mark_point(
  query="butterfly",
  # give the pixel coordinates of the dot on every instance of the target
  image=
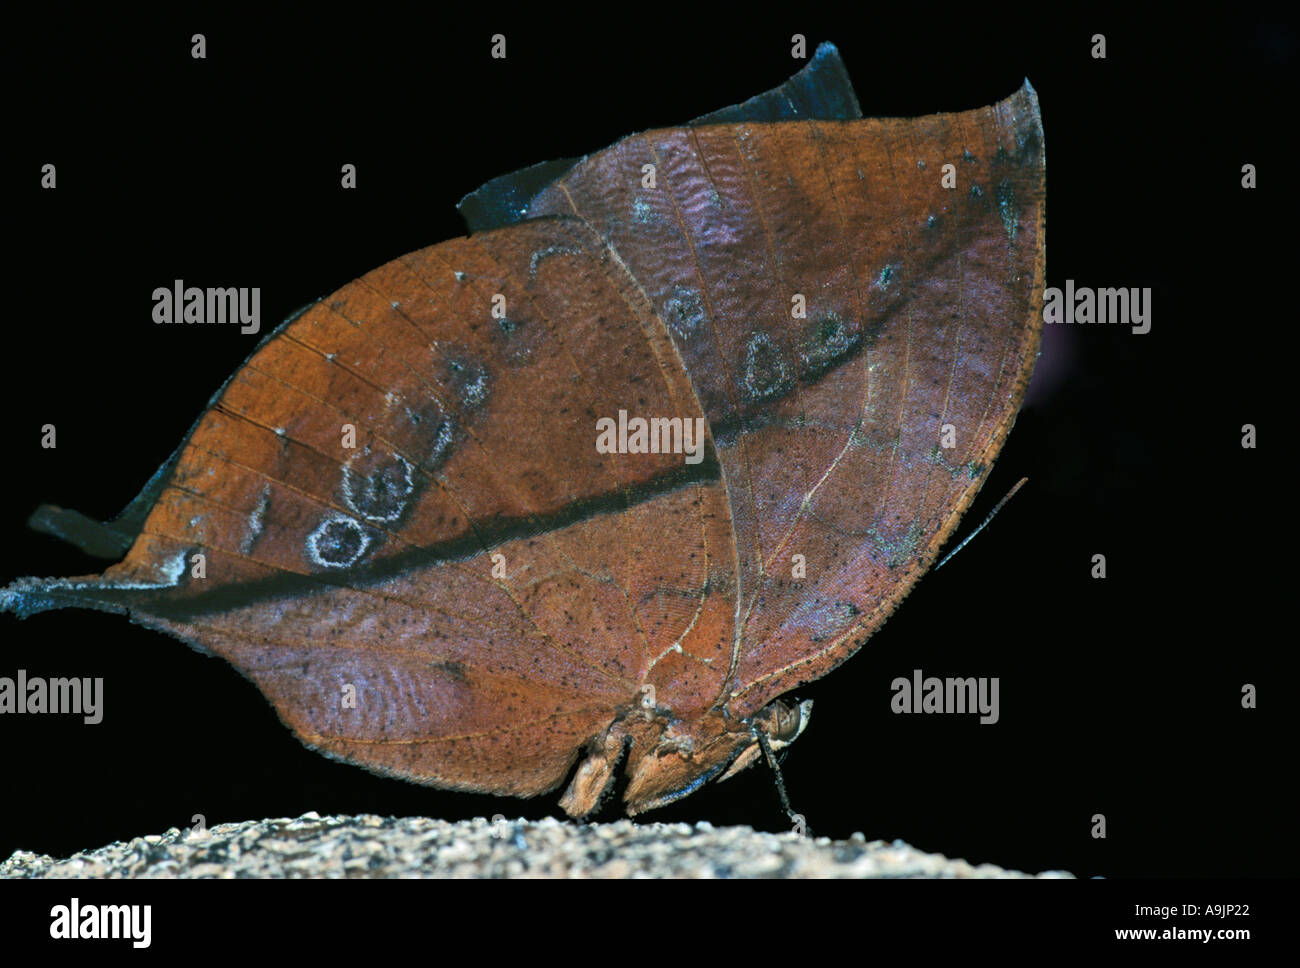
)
(670, 434)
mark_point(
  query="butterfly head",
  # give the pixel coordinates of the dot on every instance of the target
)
(783, 723)
(680, 757)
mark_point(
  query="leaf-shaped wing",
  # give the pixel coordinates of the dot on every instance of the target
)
(351, 487)
(858, 304)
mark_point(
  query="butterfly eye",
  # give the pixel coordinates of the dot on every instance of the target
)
(786, 722)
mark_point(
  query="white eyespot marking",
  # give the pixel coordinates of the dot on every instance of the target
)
(380, 488)
(338, 542)
(766, 373)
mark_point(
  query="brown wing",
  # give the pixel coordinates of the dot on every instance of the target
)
(367, 571)
(857, 435)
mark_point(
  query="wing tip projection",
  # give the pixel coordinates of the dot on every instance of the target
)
(821, 90)
(25, 597)
(99, 540)
(1027, 118)
(113, 539)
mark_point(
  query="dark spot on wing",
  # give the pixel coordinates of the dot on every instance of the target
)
(683, 311)
(466, 378)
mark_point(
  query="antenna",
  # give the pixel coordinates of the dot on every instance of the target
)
(996, 508)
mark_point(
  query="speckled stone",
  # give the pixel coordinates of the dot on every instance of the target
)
(370, 846)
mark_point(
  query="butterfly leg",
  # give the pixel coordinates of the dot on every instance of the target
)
(595, 774)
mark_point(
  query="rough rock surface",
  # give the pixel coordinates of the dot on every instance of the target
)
(370, 846)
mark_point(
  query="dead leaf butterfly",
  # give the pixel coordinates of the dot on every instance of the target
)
(670, 434)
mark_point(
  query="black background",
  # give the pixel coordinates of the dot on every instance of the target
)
(1119, 697)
